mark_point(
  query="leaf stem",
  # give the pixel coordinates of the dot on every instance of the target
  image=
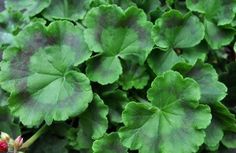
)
(140, 99)
(66, 7)
(32, 139)
(96, 55)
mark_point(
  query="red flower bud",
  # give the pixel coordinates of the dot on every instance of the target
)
(3, 146)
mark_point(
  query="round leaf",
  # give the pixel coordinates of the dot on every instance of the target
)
(104, 69)
(223, 11)
(115, 33)
(216, 36)
(212, 90)
(174, 115)
(52, 92)
(38, 73)
(33, 38)
(175, 30)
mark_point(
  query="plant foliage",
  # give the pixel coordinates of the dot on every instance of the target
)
(118, 76)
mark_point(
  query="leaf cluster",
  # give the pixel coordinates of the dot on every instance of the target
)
(119, 76)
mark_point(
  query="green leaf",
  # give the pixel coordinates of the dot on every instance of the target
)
(217, 36)
(174, 115)
(66, 9)
(96, 3)
(35, 37)
(212, 90)
(92, 124)
(214, 134)
(223, 11)
(119, 75)
(134, 75)
(229, 140)
(109, 143)
(51, 95)
(199, 52)
(222, 120)
(119, 33)
(116, 33)
(39, 73)
(116, 101)
(148, 5)
(104, 69)
(9, 22)
(124, 4)
(175, 30)
(28, 7)
(7, 123)
(161, 61)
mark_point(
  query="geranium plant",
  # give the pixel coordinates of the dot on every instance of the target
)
(118, 76)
